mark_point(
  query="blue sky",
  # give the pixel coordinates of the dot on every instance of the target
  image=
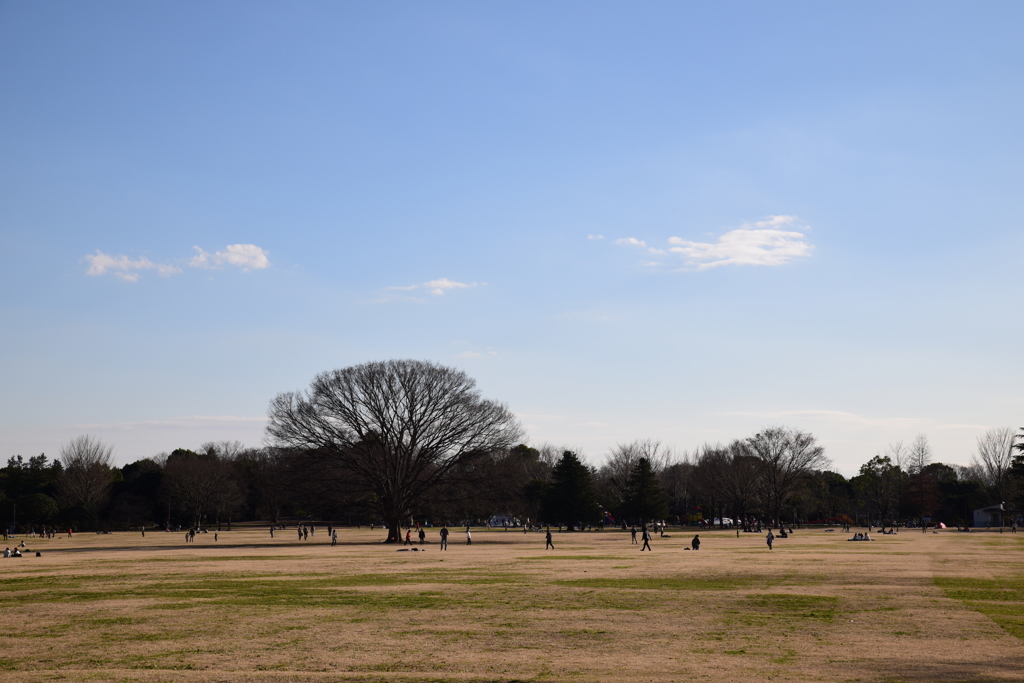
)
(673, 221)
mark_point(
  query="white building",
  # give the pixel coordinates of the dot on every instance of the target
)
(990, 516)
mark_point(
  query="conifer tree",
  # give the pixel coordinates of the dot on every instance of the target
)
(645, 499)
(570, 500)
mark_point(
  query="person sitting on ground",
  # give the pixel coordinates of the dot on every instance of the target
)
(17, 553)
(867, 537)
(7, 552)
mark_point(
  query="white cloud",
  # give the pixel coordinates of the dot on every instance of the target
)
(488, 353)
(595, 237)
(631, 241)
(765, 243)
(125, 268)
(244, 256)
(438, 287)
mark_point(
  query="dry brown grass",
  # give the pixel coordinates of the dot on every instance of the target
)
(911, 607)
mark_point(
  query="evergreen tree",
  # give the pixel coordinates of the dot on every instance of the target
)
(570, 500)
(644, 498)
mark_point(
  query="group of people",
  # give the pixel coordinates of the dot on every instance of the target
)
(45, 532)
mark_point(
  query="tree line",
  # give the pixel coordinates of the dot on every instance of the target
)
(401, 441)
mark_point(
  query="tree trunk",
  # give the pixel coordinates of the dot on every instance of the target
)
(394, 531)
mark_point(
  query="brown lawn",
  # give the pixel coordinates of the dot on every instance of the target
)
(910, 607)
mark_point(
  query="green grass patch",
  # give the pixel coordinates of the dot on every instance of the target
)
(1001, 600)
(569, 557)
(772, 608)
(114, 621)
(671, 583)
(789, 606)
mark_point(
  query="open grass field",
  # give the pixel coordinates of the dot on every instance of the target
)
(911, 607)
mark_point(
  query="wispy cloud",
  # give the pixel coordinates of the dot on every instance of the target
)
(438, 287)
(488, 353)
(189, 422)
(543, 417)
(853, 419)
(763, 243)
(244, 256)
(124, 267)
(837, 416)
(631, 241)
(595, 237)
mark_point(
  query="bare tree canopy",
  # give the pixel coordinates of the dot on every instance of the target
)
(920, 455)
(622, 460)
(788, 456)
(396, 427)
(202, 485)
(994, 457)
(86, 478)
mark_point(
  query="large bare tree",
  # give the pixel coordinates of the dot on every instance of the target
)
(994, 458)
(394, 428)
(787, 457)
(87, 473)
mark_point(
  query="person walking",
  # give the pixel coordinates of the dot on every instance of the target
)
(423, 536)
(214, 536)
(408, 536)
(334, 537)
(547, 540)
(646, 536)
(770, 537)
(696, 542)
(469, 536)
(632, 532)
(444, 538)
(271, 531)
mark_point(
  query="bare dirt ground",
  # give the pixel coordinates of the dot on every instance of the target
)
(910, 607)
